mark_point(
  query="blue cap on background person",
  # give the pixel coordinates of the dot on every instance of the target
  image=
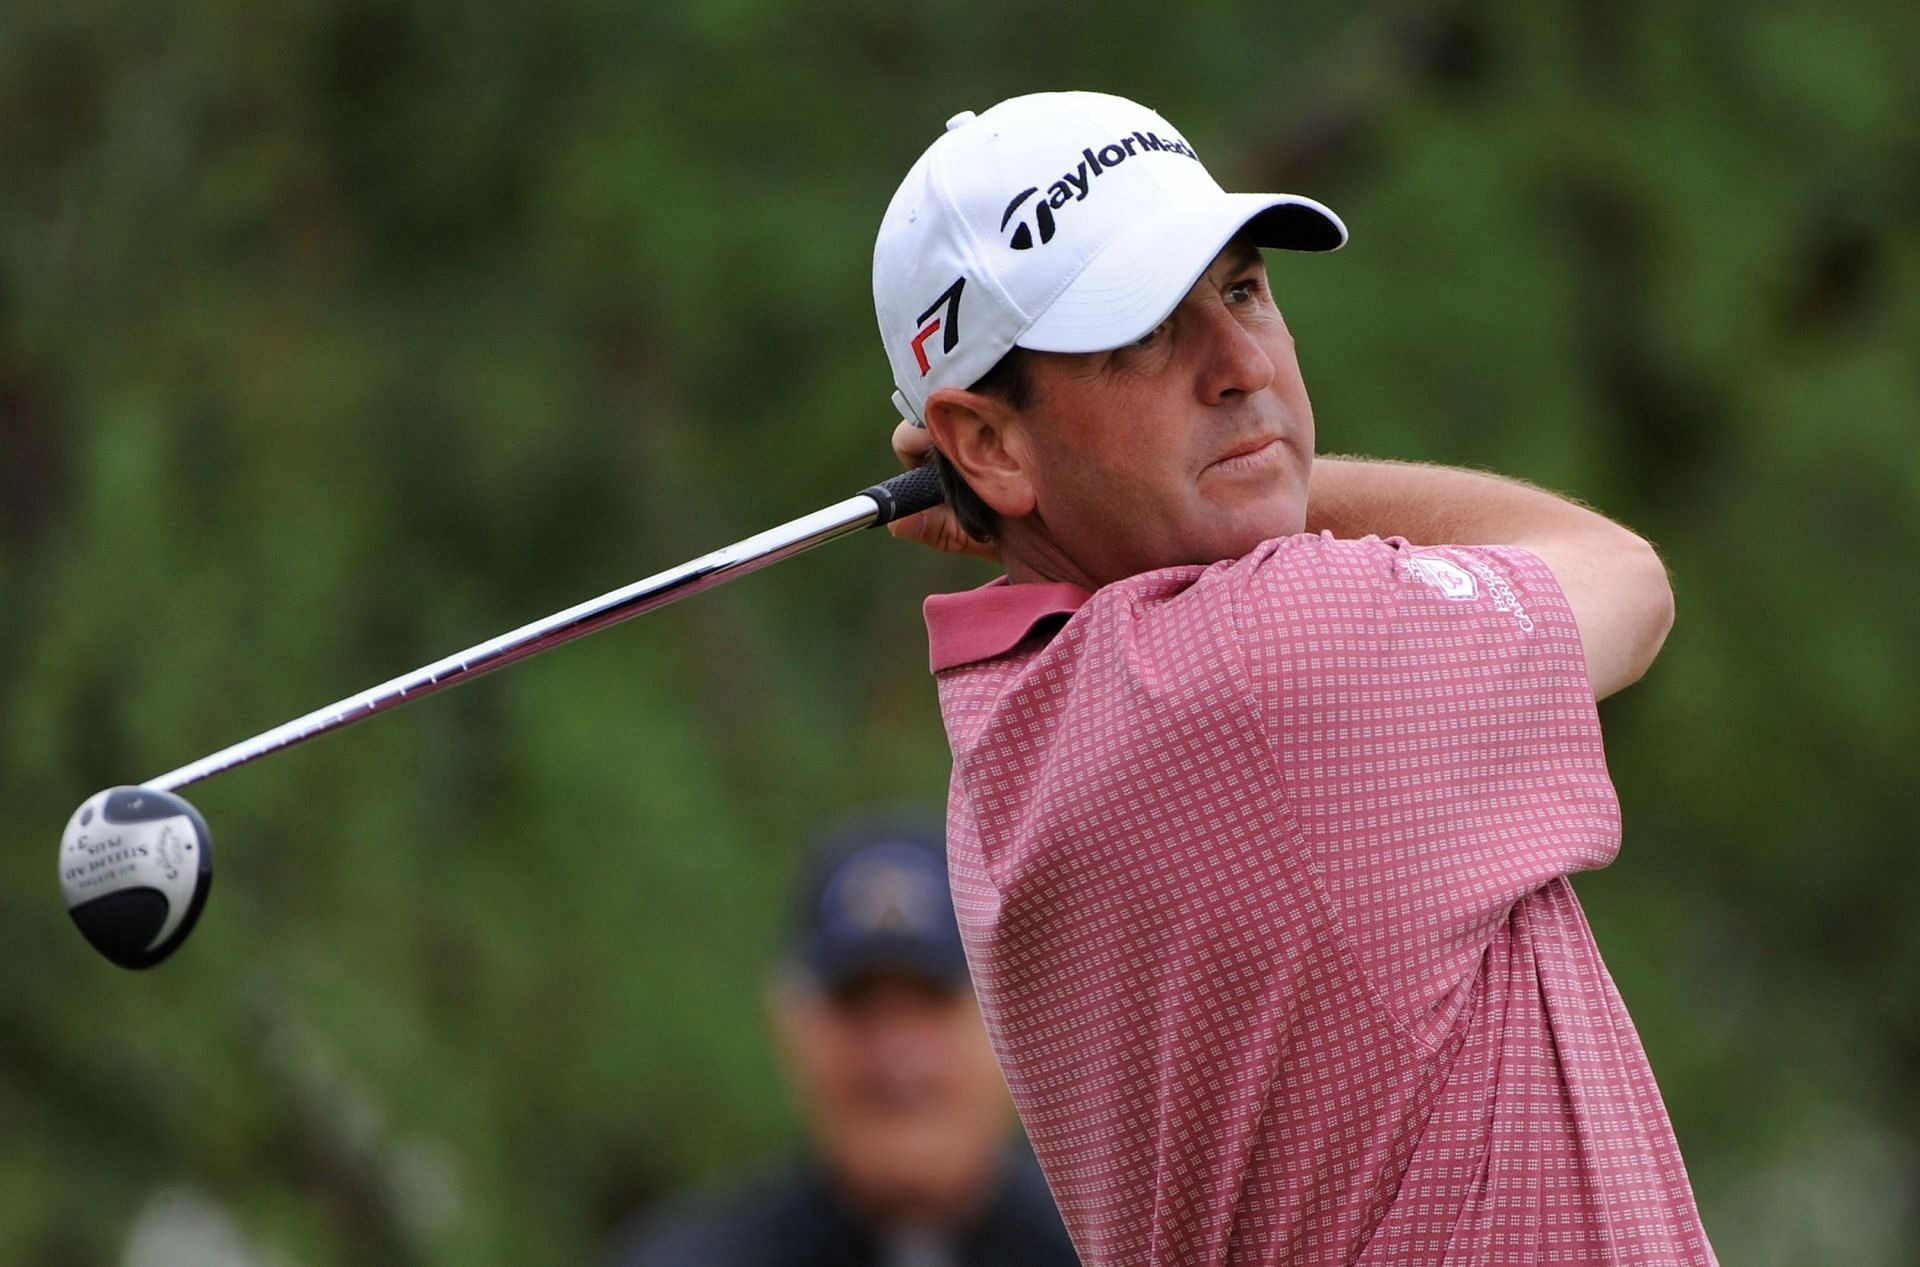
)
(875, 900)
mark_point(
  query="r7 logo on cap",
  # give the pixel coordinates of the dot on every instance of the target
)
(950, 299)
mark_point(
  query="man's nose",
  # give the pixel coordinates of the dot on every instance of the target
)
(1237, 363)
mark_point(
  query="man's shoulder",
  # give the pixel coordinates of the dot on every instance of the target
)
(762, 1216)
(1316, 573)
(1174, 610)
(1171, 611)
(1299, 563)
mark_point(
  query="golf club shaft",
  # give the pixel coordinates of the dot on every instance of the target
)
(905, 494)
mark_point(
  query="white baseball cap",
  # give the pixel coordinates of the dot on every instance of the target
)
(1060, 222)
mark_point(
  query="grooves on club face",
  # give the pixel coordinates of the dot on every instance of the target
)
(135, 867)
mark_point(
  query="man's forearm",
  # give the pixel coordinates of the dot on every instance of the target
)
(1434, 505)
(1612, 578)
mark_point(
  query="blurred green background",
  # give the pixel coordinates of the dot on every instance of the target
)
(335, 336)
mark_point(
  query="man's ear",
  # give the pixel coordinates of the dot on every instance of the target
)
(984, 438)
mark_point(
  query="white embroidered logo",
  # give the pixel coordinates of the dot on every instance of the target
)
(1453, 582)
(1503, 596)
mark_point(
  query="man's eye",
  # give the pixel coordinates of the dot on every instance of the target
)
(1240, 292)
(1151, 335)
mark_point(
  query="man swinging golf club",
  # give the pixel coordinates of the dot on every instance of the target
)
(1269, 772)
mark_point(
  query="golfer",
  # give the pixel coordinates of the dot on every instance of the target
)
(1268, 772)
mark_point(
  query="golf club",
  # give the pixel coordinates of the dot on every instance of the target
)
(136, 862)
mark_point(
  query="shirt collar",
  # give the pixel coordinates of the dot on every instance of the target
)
(980, 624)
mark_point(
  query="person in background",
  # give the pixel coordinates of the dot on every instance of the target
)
(913, 1158)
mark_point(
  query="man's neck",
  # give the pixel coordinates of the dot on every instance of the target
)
(1032, 557)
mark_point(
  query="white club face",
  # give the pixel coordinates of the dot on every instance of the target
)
(99, 857)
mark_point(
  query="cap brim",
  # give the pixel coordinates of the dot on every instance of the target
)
(1142, 274)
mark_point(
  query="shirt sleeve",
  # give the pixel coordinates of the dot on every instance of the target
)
(1436, 736)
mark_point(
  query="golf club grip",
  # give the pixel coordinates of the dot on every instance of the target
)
(905, 494)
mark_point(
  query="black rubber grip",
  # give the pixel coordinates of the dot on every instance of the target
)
(906, 494)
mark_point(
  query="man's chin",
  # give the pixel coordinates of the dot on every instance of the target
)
(1287, 518)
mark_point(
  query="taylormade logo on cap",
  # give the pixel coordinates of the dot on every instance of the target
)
(1061, 222)
(1077, 184)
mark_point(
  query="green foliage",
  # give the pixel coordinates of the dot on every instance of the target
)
(336, 336)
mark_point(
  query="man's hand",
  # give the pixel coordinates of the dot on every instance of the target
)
(937, 527)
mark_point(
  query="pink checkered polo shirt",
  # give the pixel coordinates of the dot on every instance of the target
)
(1262, 873)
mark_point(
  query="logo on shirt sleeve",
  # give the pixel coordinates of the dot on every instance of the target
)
(1453, 582)
(1458, 584)
(1504, 599)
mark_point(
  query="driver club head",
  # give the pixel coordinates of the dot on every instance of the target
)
(135, 867)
